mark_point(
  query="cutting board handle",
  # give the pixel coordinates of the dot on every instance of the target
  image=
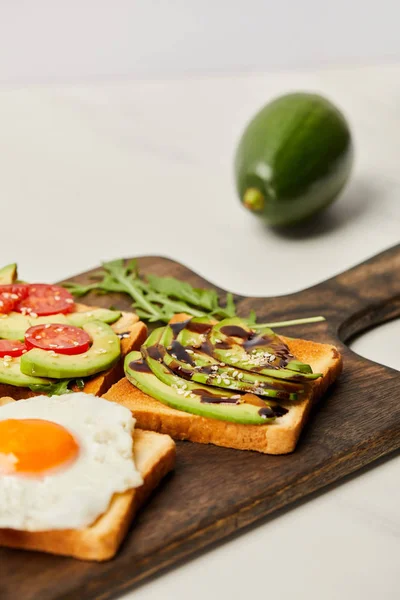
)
(364, 296)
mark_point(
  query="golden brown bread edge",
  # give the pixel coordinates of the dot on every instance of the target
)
(279, 437)
(98, 384)
(154, 457)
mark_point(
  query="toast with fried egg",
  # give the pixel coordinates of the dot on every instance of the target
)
(154, 457)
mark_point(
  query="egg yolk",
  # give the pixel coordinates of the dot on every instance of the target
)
(34, 446)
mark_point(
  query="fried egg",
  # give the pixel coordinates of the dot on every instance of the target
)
(62, 459)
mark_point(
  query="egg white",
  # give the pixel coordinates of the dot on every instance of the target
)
(74, 495)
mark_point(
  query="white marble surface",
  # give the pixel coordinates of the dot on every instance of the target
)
(88, 173)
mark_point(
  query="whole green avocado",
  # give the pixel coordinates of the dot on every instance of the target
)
(293, 158)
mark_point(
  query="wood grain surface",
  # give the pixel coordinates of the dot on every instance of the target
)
(216, 491)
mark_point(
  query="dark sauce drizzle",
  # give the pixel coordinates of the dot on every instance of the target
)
(140, 366)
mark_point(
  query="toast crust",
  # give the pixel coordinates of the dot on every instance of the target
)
(279, 437)
(136, 333)
(154, 457)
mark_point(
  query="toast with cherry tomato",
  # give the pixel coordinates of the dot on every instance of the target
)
(50, 345)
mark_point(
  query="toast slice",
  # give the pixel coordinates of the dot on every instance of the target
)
(279, 437)
(154, 457)
(132, 332)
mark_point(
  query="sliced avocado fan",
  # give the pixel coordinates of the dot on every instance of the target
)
(222, 370)
(232, 342)
(205, 369)
(152, 377)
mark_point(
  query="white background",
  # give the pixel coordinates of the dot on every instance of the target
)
(140, 162)
(59, 40)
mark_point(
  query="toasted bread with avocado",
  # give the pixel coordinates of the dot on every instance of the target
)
(132, 334)
(277, 437)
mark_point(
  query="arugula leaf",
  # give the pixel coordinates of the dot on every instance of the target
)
(174, 288)
(157, 299)
(252, 318)
(55, 389)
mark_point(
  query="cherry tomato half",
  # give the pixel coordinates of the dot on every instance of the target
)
(16, 291)
(43, 300)
(10, 295)
(11, 348)
(62, 339)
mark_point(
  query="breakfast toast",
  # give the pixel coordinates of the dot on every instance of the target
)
(132, 334)
(154, 456)
(279, 437)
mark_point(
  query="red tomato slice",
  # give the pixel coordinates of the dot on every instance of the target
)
(43, 299)
(62, 339)
(11, 348)
(10, 295)
(16, 291)
(6, 304)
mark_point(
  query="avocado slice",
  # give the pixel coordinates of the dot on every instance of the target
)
(11, 374)
(238, 350)
(234, 343)
(8, 274)
(203, 368)
(103, 353)
(78, 319)
(153, 378)
(14, 325)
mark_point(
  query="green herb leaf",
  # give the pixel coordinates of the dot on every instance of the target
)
(181, 290)
(57, 388)
(252, 318)
(158, 299)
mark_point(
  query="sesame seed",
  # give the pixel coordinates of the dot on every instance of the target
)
(219, 379)
(100, 351)
(227, 381)
(7, 358)
(47, 326)
(69, 301)
(6, 364)
(75, 343)
(240, 376)
(58, 329)
(33, 315)
(52, 353)
(38, 337)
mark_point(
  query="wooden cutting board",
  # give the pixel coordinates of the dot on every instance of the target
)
(216, 491)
